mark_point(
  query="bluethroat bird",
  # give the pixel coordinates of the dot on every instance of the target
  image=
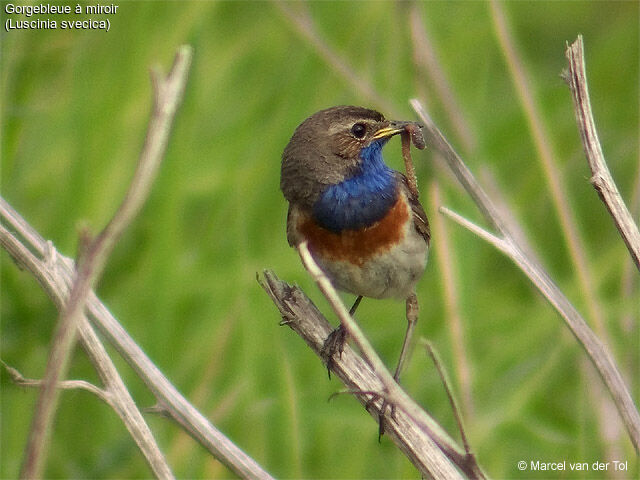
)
(364, 226)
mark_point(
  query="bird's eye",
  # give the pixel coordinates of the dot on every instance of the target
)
(358, 130)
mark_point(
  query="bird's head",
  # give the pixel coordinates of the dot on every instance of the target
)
(331, 146)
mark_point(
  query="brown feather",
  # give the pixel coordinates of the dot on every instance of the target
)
(419, 216)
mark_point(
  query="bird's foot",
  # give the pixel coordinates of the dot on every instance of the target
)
(375, 396)
(332, 345)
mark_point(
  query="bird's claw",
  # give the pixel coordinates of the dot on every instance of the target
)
(381, 418)
(332, 345)
(382, 412)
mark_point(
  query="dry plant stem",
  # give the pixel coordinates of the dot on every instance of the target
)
(419, 437)
(607, 419)
(168, 95)
(391, 389)
(45, 270)
(55, 272)
(439, 143)
(115, 395)
(596, 350)
(122, 402)
(601, 177)
(391, 392)
(446, 383)
(19, 379)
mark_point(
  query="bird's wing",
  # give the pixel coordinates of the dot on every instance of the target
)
(292, 234)
(419, 216)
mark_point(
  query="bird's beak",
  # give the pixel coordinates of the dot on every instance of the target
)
(393, 128)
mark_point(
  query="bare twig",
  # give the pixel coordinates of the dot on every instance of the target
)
(55, 272)
(122, 402)
(57, 286)
(436, 141)
(19, 379)
(420, 438)
(601, 178)
(391, 389)
(168, 95)
(446, 383)
(597, 351)
(603, 182)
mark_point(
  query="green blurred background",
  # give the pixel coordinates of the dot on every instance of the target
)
(75, 105)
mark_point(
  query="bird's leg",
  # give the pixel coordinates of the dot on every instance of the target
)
(353, 308)
(412, 320)
(336, 339)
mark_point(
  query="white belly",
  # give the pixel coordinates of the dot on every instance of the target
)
(392, 274)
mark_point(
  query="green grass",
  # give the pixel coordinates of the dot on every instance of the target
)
(182, 280)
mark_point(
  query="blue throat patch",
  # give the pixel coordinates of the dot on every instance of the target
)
(362, 199)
